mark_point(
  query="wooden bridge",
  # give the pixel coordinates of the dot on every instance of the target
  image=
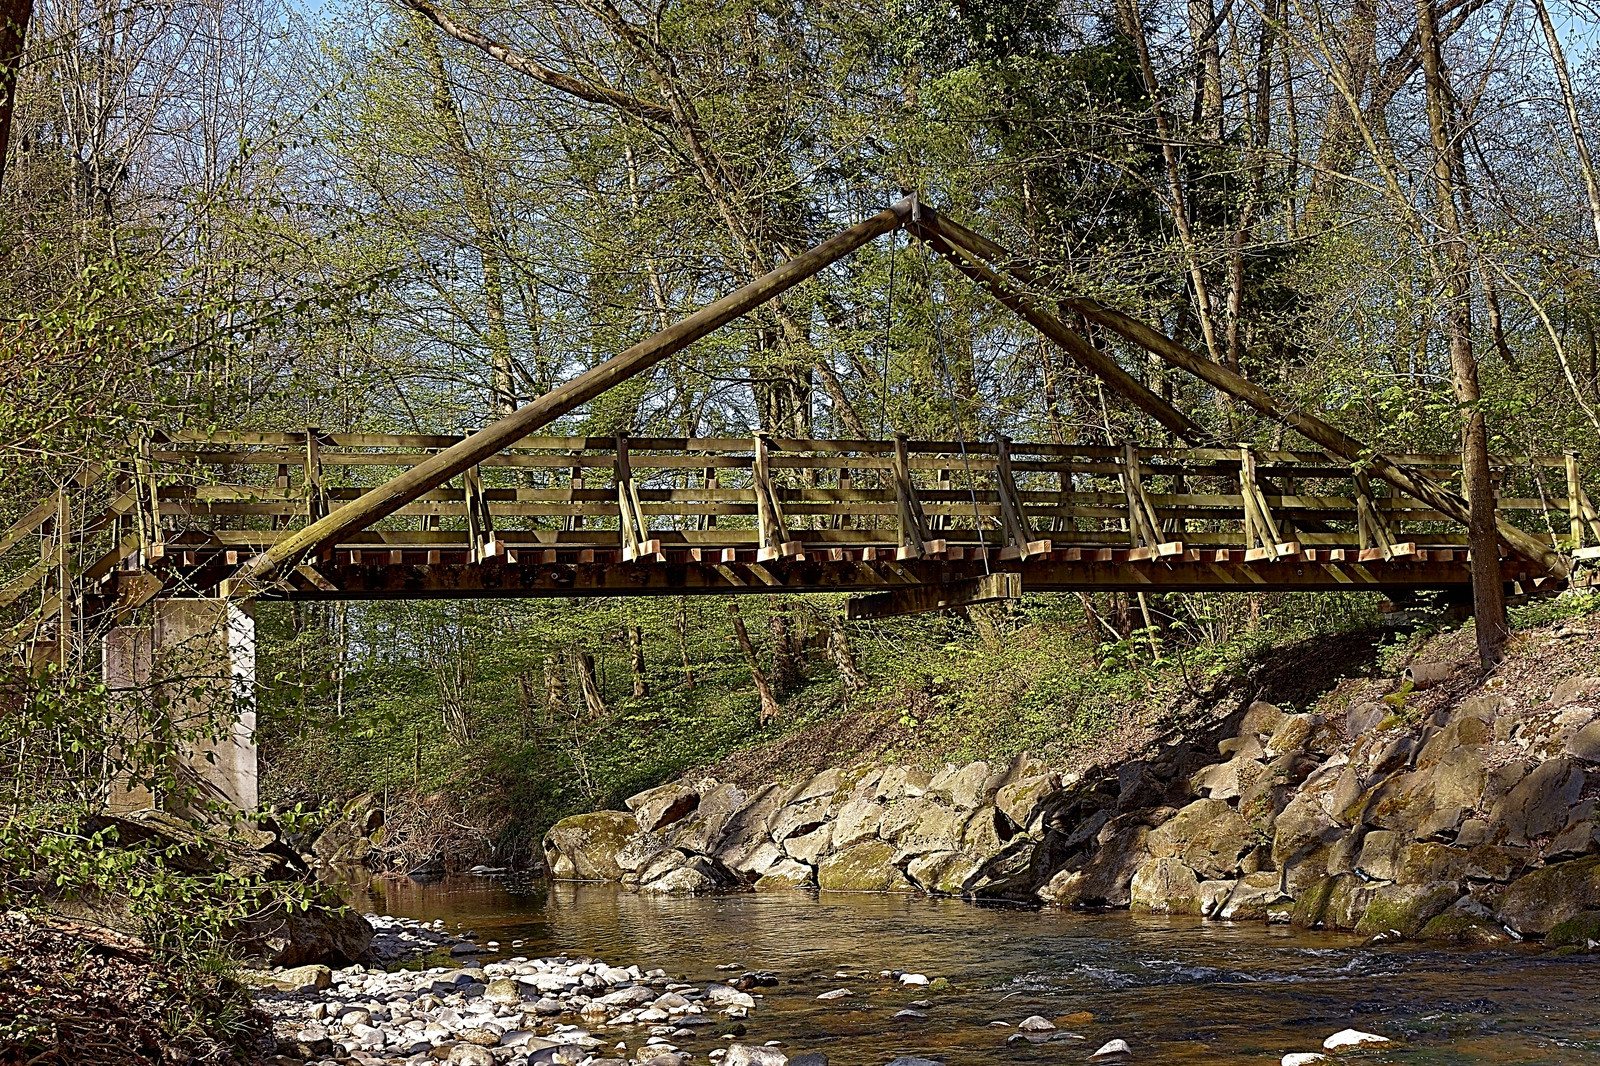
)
(906, 525)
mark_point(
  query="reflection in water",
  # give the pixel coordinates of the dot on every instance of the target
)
(1178, 990)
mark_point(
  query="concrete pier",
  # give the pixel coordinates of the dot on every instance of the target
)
(187, 682)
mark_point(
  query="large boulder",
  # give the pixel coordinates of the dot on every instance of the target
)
(1303, 734)
(694, 876)
(1405, 909)
(943, 872)
(657, 808)
(1208, 836)
(1165, 886)
(1022, 800)
(856, 821)
(1538, 902)
(864, 867)
(800, 817)
(1537, 806)
(1306, 844)
(584, 847)
(1102, 879)
(961, 787)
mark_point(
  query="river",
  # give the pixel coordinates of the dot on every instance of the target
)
(1178, 990)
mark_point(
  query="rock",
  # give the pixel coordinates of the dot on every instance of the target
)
(942, 872)
(1573, 689)
(1585, 743)
(483, 1036)
(1112, 1047)
(1363, 717)
(1380, 854)
(786, 874)
(960, 787)
(1405, 909)
(1023, 800)
(1302, 1058)
(810, 1058)
(504, 991)
(1536, 903)
(1581, 930)
(1466, 921)
(810, 847)
(1260, 719)
(1252, 896)
(638, 851)
(1303, 734)
(837, 993)
(754, 1055)
(864, 867)
(1351, 1038)
(909, 1015)
(313, 978)
(1036, 1024)
(1104, 878)
(751, 863)
(694, 877)
(658, 807)
(856, 821)
(1243, 746)
(584, 847)
(1580, 837)
(1165, 886)
(800, 817)
(919, 980)
(903, 815)
(1208, 836)
(470, 1055)
(1537, 805)
(1305, 844)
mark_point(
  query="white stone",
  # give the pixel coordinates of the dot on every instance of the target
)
(1036, 1024)
(913, 979)
(1351, 1038)
(1112, 1047)
(837, 993)
(1303, 1058)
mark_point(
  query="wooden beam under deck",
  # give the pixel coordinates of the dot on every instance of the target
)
(529, 575)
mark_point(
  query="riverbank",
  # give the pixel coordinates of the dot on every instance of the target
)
(1423, 799)
(1178, 990)
(566, 1011)
(73, 994)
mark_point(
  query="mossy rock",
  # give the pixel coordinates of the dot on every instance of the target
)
(584, 847)
(865, 867)
(1406, 909)
(1581, 930)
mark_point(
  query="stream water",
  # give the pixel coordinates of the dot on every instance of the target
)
(1178, 990)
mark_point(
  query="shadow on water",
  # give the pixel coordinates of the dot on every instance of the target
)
(1178, 990)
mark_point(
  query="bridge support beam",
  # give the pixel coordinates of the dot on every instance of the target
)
(915, 600)
(184, 686)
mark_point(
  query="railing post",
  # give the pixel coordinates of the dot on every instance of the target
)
(316, 493)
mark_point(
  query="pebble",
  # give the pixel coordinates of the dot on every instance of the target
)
(837, 993)
(1112, 1047)
(914, 979)
(519, 1007)
(1303, 1058)
(1351, 1038)
(910, 1015)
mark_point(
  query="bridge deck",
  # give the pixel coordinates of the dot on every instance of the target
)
(556, 516)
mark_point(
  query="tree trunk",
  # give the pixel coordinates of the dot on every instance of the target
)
(14, 16)
(588, 686)
(555, 689)
(785, 670)
(1580, 143)
(1488, 594)
(770, 708)
(641, 687)
(844, 658)
(474, 195)
(683, 643)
